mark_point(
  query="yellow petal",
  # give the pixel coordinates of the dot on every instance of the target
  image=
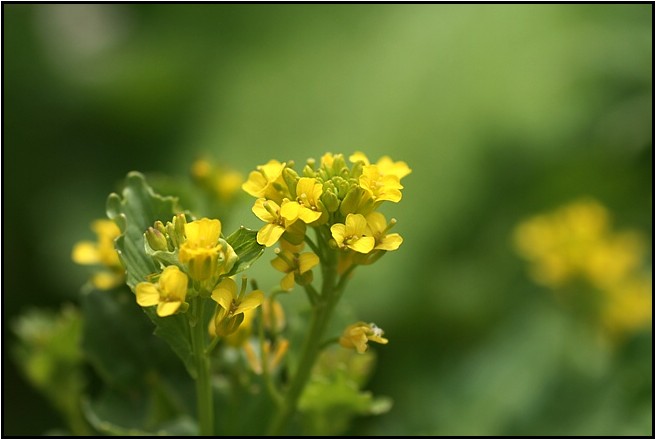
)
(305, 186)
(86, 252)
(388, 166)
(358, 156)
(356, 224)
(255, 184)
(225, 293)
(308, 216)
(147, 294)
(269, 234)
(173, 283)
(364, 245)
(289, 247)
(287, 282)
(338, 231)
(281, 265)
(272, 170)
(262, 213)
(376, 222)
(390, 242)
(203, 233)
(106, 228)
(106, 280)
(306, 261)
(250, 301)
(168, 308)
(290, 210)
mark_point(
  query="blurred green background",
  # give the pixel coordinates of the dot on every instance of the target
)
(502, 111)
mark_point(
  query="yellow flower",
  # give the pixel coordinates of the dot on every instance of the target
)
(268, 211)
(296, 267)
(357, 335)
(306, 207)
(262, 183)
(629, 307)
(385, 164)
(203, 251)
(352, 235)
(232, 306)
(101, 253)
(380, 186)
(168, 294)
(378, 227)
(273, 355)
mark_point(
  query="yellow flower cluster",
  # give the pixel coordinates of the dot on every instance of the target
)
(576, 242)
(331, 196)
(101, 253)
(195, 250)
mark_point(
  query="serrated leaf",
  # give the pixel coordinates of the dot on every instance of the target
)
(137, 209)
(244, 242)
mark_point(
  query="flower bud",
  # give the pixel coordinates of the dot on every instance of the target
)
(156, 240)
(291, 179)
(330, 200)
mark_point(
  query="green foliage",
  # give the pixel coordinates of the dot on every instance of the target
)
(333, 397)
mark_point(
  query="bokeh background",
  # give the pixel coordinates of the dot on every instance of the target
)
(502, 112)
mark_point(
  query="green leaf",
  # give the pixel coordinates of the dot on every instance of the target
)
(137, 209)
(244, 242)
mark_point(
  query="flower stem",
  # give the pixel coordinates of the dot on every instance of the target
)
(204, 398)
(321, 313)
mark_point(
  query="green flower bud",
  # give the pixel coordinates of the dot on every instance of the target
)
(226, 324)
(330, 200)
(291, 178)
(357, 201)
(156, 240)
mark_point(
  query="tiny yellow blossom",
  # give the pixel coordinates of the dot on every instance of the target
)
(357, 335)
(352, 235)
(101, 253)
(380, 186)
(386, 165)
(378, 227)
(168, 294)
(306, 206)
(263, 181)
(296, 267)
(269, 212)
(629, 306)
(203, 251)
(233, 306)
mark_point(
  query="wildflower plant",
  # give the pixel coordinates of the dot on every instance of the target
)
(186, 273)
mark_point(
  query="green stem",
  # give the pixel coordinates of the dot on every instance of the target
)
(321, 313)
(204, 400)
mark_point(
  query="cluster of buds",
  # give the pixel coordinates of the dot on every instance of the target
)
(338, 200)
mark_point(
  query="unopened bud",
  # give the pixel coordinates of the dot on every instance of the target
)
(156, 240)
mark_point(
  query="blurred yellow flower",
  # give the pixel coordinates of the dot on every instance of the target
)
(168, 294)
(357, 335)
(103, 253)
(576, 242)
